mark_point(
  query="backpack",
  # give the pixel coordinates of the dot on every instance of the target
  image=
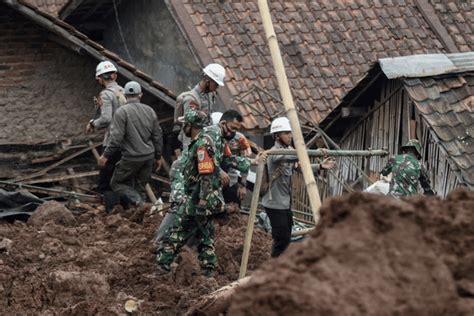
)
(179, 105)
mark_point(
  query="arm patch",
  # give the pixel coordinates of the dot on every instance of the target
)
(205, 162)
(227, 151)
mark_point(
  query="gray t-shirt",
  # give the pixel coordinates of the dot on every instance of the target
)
(280, 169)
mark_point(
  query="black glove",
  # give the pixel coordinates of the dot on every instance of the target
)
(201, 217)
(200, 210)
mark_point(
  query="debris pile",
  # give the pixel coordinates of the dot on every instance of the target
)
(373, 256)
(94, 263)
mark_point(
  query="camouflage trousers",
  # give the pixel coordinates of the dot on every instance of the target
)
(186, 225)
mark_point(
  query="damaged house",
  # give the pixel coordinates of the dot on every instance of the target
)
(427, 97)
(46, 87)
(328, 48)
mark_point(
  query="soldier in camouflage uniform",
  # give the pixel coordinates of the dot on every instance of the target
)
(407, 171)
(203, 194)
(193, 122)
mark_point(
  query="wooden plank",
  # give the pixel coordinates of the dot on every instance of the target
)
(45, 170)
(58, 178)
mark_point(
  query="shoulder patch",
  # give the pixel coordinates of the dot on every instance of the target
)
(205, 162)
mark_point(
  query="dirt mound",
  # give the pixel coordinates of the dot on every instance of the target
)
(52, 211)
(373, 256)
(93, 267)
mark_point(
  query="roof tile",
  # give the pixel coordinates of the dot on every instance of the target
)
(326, 45)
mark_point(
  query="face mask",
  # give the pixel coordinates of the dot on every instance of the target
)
(229, 136)
(187, 130)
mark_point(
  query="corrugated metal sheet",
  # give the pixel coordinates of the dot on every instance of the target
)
(427, 65)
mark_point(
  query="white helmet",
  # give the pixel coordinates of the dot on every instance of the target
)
(281, 124)
(104, 67)
(216, 72)
(216, 117)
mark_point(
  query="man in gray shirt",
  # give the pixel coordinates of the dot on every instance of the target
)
(107, 102)
(136, 132)
(277, 201)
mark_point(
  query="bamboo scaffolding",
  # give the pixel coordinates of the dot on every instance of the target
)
(258, 184)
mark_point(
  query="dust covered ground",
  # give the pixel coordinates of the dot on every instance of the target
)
(373, 256)
(60, 264)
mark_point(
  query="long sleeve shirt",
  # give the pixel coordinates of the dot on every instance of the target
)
(109, 101)
(136, 132)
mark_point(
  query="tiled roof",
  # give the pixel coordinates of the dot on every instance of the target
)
(458, 18)
(447, 104)
(48, 6)
(82, 43)
(327, 46)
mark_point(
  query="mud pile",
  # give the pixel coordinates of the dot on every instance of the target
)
(93, 263)
(373, 256)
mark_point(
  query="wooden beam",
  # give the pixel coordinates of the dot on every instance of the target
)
(430, 16)
(62, 177)
(45, 170)
(353, 100)
(347, 112)
(377, 105)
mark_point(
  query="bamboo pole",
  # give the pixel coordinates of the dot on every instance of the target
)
(310, 182)
(251, 220)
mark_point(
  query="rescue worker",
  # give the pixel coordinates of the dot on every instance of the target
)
(108, 101)
(193, 122)
(407, 171)
(136, 132)
(203, 195)
(236, 191)
(201, 97)
(277, 201)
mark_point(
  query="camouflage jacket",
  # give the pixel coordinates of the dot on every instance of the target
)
(237, 146)
(407, 171)
(201, 171)
(177, 180)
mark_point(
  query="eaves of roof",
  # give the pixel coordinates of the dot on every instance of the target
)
(79, 42)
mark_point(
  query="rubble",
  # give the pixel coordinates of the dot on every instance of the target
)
(97, 264)
(373, 256)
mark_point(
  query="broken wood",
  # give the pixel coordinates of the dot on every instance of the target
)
(150, 193)
(217, 302)
(53, 192)
(62, 177)
(45, 170)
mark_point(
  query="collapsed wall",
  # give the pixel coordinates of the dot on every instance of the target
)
(373, 255)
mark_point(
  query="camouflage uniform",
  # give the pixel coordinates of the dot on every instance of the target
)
(201, 176)
(197, 119)
(238, 146)
(407, 171)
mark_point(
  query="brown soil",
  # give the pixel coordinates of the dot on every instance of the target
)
(92, 265)
(373, 256)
